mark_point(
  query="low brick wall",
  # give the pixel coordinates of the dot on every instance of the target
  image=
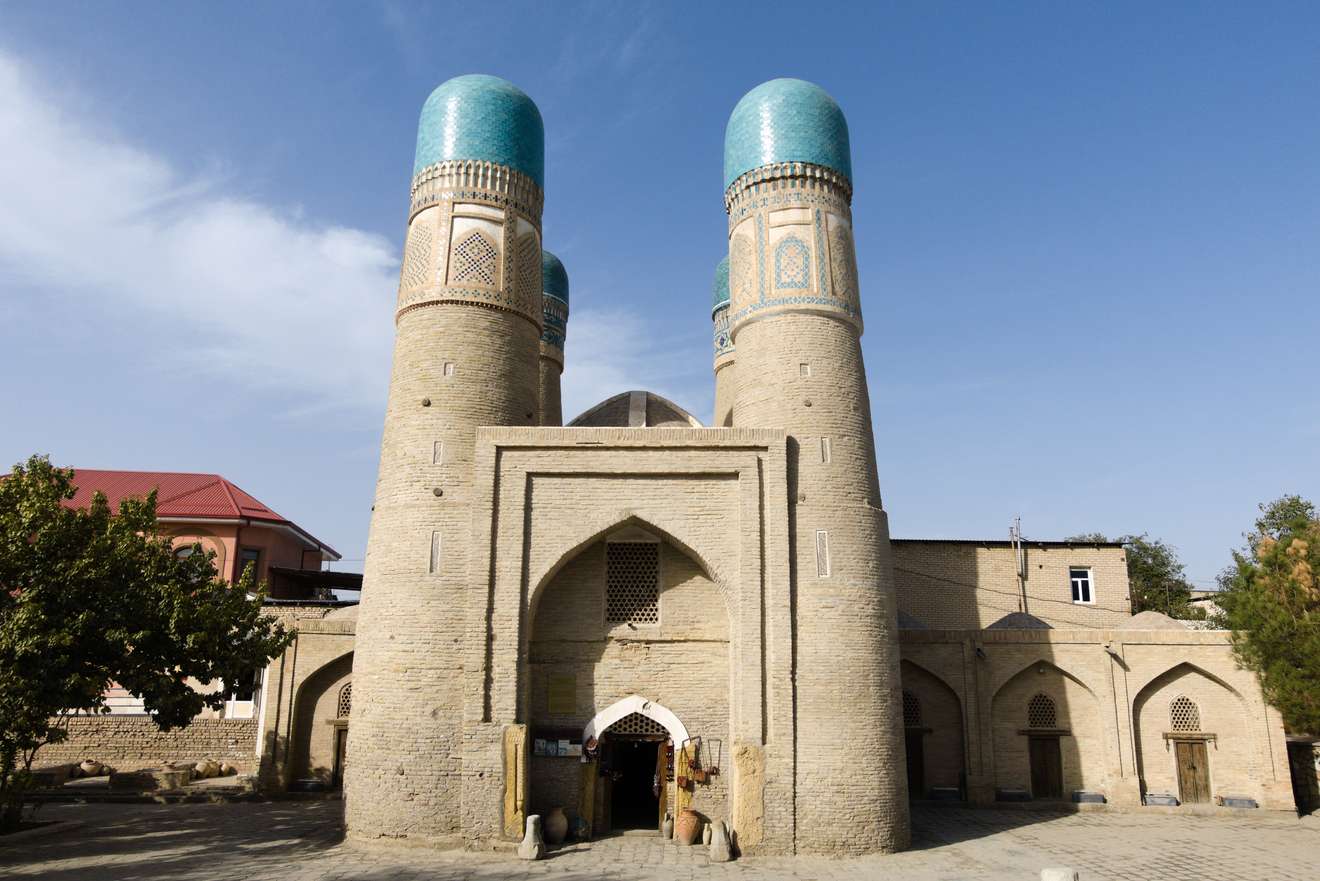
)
(127, 743)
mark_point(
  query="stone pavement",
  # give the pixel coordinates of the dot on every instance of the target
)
(300, 841)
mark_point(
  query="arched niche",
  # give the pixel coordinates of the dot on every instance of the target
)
(1020, 747)
(584, 671)
(934, 732)
(317, 739)
(1226, 744)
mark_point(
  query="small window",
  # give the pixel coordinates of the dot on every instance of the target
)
(1184, 715)
(433, 566)
(249, 556)
(183, 552)
(911, 710)
(1041, 712)
(825, 451)
(449, 368)
(345, 703)
(632, 582)
(804, 369)
(822, 553)
(1082, 592)
(438, 453)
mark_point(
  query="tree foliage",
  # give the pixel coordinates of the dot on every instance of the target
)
(91, 597)
(1156, 576)
(1271, 602)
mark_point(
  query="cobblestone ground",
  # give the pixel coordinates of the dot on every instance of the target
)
(300, 841)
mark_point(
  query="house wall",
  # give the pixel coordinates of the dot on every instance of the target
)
(966, 585)
(1112, 689)
(130, 743)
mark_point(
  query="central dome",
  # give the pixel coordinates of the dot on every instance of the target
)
(786, 120)
(483, 118)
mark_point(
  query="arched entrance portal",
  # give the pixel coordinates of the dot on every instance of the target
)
(632, 743)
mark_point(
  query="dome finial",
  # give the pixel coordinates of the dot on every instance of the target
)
(484, 118)
(786, 120)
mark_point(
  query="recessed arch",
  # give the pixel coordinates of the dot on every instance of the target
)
(600, 528)
(1189, 666)
(1035, 665)
(635, 703)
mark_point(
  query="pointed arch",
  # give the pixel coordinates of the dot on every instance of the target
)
(1193, 667)
(601, 527)
(635, 703)
(1036, 664)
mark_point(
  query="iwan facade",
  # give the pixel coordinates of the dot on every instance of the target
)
(635, 614)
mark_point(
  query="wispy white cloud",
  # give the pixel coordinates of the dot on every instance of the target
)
(609, 351)
(259, 293)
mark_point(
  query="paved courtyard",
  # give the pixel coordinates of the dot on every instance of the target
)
(300, 841)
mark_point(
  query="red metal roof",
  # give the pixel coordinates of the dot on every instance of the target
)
(185, 496)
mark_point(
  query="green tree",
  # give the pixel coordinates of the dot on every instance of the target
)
(1156, 576)
(1271, 602)
(88, 598)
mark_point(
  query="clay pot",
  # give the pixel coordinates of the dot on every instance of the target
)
(667, 827)
(90, 768)
(688, 827)
(555, 826)
(227, 769)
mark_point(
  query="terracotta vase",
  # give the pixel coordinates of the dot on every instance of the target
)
(688, 827)
(555, 826)
(667, 827)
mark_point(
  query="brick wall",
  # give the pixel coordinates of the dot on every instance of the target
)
(128, 743)
(969, 585)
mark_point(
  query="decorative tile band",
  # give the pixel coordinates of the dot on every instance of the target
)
(795, 175)
(465, 179)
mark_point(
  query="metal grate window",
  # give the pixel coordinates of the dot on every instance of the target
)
(636, 723)
(345, 701)
(822, 553)
(1041, 713)
(632, 583)
(475, 260)
(1184, 715)
(911, 710)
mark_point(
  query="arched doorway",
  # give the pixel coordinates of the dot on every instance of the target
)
(320, 725)
(631, 622)
(933, 728)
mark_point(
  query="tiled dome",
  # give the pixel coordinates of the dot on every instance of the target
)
(721, 298)
(554, 280)
(483, 118)
(786, 120)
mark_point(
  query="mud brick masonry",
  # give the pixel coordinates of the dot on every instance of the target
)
(634, 614)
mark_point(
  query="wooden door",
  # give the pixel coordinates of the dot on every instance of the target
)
(916, 764)
(1046, 767)
(662, 781)
(1193, 771)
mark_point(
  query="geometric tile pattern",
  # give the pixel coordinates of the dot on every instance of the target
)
(475, 260)
(632, 583)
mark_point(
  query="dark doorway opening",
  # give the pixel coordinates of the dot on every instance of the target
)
(634, 799)
(1046, 767)
(916, 763)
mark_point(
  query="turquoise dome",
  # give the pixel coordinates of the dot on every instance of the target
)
(483, 118)
(721, 286)
(554, 280)
(786, 120)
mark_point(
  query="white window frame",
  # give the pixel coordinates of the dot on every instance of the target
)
(1089, 599)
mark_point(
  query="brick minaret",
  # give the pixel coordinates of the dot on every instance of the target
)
(795, 316)
(724, 385)
(467, 331)
(554, 301)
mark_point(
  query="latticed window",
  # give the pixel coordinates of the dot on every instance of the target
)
(1184, 715)
(636, 723)
(475, 260)
(1041, 712)
(417, 254)
(632, 583)
(345, 703)
(911, 710)
(529, 269)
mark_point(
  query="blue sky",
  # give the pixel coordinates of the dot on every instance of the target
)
(1087, 238)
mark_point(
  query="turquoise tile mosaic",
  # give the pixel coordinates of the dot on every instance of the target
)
(786, 120)
(483, 118)
(721, 298)
(554, 279)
